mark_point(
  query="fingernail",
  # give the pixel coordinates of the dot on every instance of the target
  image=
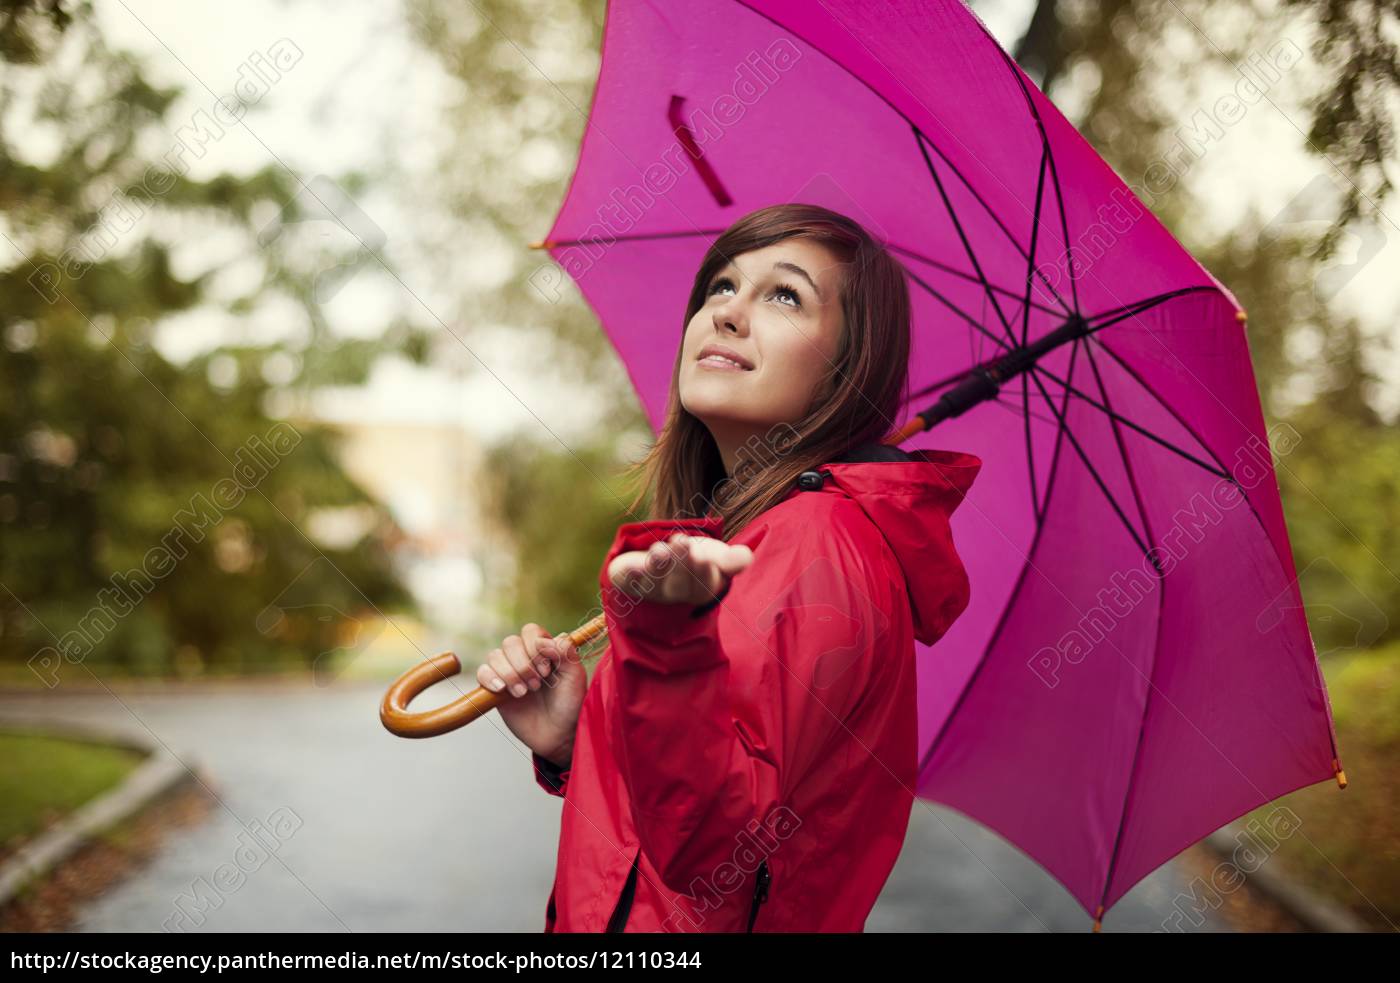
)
(534, 685)
(497, 684)
(518, 689)
(543, 666)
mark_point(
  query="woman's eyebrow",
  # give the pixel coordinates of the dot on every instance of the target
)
(781, 265)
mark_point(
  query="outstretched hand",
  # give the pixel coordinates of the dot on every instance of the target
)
(683, 569)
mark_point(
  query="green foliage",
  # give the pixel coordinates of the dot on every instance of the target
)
(119, 467)
(561, 509)
(1341, 492)
(1348, 841)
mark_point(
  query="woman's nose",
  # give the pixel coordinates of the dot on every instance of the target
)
(731, 318)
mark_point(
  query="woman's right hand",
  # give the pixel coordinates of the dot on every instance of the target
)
(543, 683)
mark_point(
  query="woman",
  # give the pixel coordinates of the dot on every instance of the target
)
(744, 758)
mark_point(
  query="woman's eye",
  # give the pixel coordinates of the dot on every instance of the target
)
(789, 296)
(721, 285)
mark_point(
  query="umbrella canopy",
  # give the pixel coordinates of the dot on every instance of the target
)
(1134, 669)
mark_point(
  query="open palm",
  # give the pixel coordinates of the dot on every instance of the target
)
(683, 569)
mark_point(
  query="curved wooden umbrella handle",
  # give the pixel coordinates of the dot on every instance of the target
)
(394, 713)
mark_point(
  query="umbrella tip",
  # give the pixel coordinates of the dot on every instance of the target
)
(1241, 316)
(1098, 919)
(1340, 773)
(542, 244)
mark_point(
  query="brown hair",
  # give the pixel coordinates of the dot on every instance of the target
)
(856, 402)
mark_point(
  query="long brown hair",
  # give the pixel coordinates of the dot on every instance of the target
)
(857, 401)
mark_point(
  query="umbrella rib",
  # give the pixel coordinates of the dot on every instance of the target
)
(953, 271)
(1284, 561)
(1030, 453)
(962, 233)
(1151, 682)
(1139, 306)
(1035, 238)
(1026, 326)
(956, 310)
(1054, 169)
(1113, 414)
(1060, 200)
(1133, 374)
(1065, 308)
(1073, 390)
(1094, 473)
(1011, 596)
(1137, 749)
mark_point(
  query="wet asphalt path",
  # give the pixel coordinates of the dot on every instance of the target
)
(452, 834)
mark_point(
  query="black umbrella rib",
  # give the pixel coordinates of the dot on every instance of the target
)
(1065, 384)
(1133, 374)
(1155, 650)
(1118, 417)
(787, 29)
(1034, 110)
(1094, 472)
(962, 234)
(1035, 239)
(1012, 595)
(1139, 306)
(996, 219)
(928, 288)
(1030, 452)
(1114, 421)
(952, 271)
(1064, 220)
(1026, 323)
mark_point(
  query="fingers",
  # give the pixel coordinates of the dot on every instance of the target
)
(735, 558)
(518, 665)
(539, 648)
(703, 552)
(706, 563)
(665, 555)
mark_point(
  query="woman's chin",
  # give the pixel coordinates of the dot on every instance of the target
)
(717, 395)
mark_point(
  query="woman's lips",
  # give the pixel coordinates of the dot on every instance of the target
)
(721, 364)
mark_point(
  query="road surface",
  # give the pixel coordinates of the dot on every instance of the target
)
(362, 831)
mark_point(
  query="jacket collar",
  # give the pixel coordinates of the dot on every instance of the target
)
(910, 497)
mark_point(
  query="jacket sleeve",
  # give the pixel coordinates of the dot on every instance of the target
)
(702, 758)
(550, 776)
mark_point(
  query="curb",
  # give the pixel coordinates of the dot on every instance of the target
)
(1316, 913)
(159, 774)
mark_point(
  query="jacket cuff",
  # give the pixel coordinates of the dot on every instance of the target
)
(550, 776)
(685, 632)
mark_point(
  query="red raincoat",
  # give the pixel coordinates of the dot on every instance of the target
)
(749, 765)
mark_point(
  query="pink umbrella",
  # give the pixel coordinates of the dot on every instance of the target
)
(1134, 669)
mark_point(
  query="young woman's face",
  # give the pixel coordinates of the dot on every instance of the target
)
(777, 310)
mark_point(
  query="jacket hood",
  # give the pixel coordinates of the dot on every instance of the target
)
(911, 502)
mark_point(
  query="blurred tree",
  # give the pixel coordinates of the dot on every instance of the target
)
(1120, 42)
(151, 514)
(526, 70)
(558, 532)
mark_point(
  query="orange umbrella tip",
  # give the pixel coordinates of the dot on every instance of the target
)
(1341, 775)
(1241, 316)
(542, 244)
(1098, 919)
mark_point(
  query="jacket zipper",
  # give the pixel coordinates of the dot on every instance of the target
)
(760, 892)
(620, 914)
